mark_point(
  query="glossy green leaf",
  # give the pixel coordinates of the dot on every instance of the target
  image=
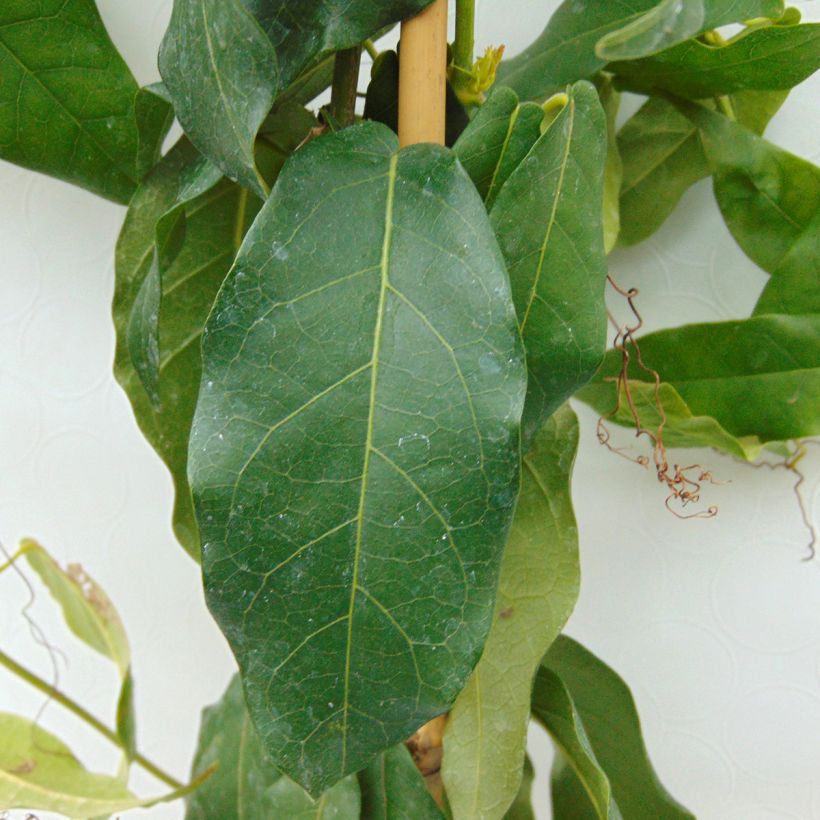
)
(548, 220)
(569, 796)
(663, 157)
(755, 377)
(393, 789)
(67, 99)
(769, 58)
(354, 455)
(565, 50)
(246, 784)
(521, 808)
(499, 136)
(39, 772)
(668, 23)
(214, 225)
(591, 713)
(87, 610)
(681, 427)
(486, 735)
(770, 200)
(225, 62)
(382, 100)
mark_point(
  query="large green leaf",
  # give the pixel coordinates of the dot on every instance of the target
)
(663, 157)
(548, 219)
(770, 58)
(770, 200)
(226, 61)
(565, 50)
(393, 789)
(67, 99)
(39, 772)
(499, 136)
(590, 712)
(215, 223)
(486, 735)
(354, 454)
(246, 784)
(754, 377)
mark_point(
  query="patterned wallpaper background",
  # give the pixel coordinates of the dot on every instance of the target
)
(715, 624)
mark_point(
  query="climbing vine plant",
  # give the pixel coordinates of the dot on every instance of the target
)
(355, 359)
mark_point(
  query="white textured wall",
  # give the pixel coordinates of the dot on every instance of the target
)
(715, 624)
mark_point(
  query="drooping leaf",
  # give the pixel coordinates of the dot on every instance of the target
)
(565, 50)
(663, 157)
(225, 62)
(754, 377)
(553, 707)
(681, 427)
(127, 718)
(38, 771)
(354, 455)
(246, 784)
(382, 101)
(521, 808)
(215, 223)
(590, 712)
(486, 735)
(769, 58)
(68, 101)
(770, 200)
(393, 789)
(548, 220)
(499, 136)
(87, 610)
(668, 23)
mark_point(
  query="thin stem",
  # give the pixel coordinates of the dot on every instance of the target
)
(74, 707)
(464, 45)
(345, 85)
(724, 103)
(370, 48)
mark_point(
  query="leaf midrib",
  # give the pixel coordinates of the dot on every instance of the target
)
(374, 373)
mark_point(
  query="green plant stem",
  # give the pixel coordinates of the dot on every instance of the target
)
(464, 44)
(345, 85)
(38, 683)
(370, 48)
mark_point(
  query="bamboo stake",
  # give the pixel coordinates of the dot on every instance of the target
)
(423, 76)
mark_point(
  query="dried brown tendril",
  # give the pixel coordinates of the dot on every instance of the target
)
(683, 483)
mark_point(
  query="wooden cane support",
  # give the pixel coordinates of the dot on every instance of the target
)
(423, 76)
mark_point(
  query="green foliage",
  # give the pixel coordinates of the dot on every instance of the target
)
(355, 362)
(548, 218)
(663, 157)
(393, 789)
(68, 103)
(566, 50)
(225, 62)
(536, 594)
(499, 136)
(591, 714)
(245, 782)
(770, 58)
(755, 377)
(770, 200)
(391, 438)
